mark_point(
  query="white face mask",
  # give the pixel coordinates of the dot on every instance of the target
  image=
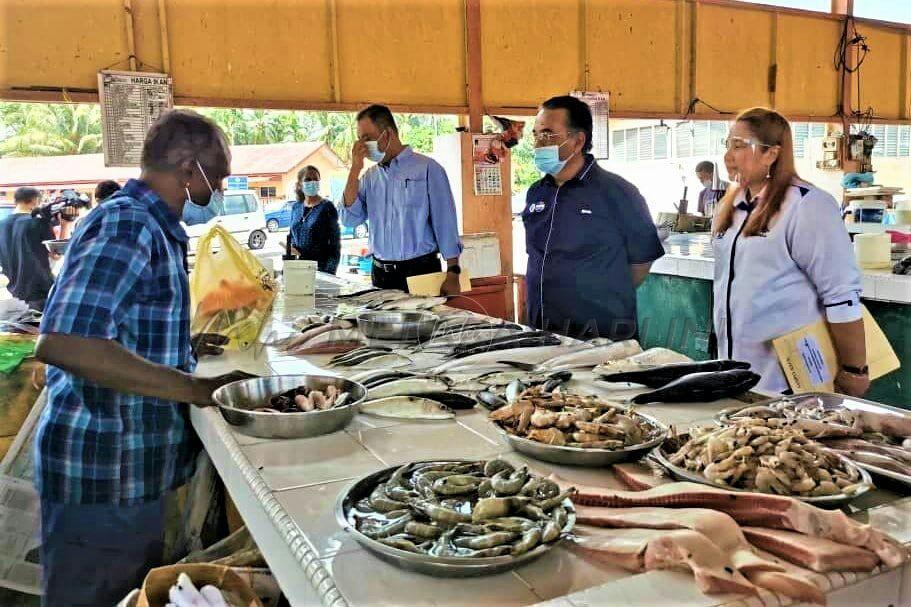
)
(373, 150)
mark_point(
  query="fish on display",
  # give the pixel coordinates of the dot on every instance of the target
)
(514, 342)
(594, 355)
(665, 374)
(388, 360)
(410, 386)
(407, 407)
(702, 387)
(491, 343)
(497, 359)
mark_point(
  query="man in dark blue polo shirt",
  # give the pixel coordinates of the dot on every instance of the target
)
(588, 233)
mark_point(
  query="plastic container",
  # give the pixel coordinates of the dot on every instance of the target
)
(873, 251)
(300, 277)
(903, 212)
(868, 211)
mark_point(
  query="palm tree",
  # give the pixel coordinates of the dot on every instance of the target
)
(36, 129)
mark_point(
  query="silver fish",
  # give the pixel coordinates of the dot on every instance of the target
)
(407, 407)
(412, 303)
(407, 387)
(593, 356)
(386, 361)
(534, 356)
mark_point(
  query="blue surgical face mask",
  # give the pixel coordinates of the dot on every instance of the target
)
(373, 150)
(195, 214)
(547, 159)
(310, 188)
(707, 183)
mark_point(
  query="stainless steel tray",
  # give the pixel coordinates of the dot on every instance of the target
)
(827, 501)
(238, 398)
(577, 456)
(397, 326)
(832, 401)
(423, 563)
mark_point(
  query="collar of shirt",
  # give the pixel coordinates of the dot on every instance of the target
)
(746, 203)
(404, 156)
(159, 209)
(582, 176)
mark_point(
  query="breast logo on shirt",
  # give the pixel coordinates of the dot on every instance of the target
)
(536, 207)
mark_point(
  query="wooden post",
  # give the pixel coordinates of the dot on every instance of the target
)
(165, 41)
(473, 62)
(131, 43)
(846, 9)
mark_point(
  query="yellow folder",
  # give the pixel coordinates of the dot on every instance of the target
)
(429, 284)
(808, 358)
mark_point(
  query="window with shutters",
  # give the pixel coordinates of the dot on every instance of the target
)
(619, 141)
(632, 145)
(817, 130)
(879, 131)
(891, 142)
(717, 132)
(661, 140)
(683, 140)
(801, 132)
(646, 145)
(904, 141)
(701, 138)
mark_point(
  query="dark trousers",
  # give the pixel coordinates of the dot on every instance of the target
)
(394, 274)
(95, 554)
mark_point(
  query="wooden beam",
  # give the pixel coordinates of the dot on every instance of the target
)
(165, 40)
(583, 46)
(334, 72)
(906, 77)
(131, 42)
(474, 65)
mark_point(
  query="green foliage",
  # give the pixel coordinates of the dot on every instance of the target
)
(40, 129)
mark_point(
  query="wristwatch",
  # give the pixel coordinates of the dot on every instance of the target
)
(456, 269)
(856, 370)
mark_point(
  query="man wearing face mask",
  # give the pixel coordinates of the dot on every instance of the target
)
(712, 189)
(589, 236)
(115, 437)
(408, 201)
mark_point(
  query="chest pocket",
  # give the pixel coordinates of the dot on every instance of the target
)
(583, 230)
(412, 187)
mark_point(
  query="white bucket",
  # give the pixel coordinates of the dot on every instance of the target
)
(300, 277)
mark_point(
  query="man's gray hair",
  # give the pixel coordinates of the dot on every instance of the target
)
(181, 135)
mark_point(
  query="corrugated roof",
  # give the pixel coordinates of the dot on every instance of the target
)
(251, 160)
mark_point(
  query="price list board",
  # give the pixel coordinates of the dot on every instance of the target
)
(130, 103)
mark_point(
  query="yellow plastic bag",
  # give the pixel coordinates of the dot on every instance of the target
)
(231, 292)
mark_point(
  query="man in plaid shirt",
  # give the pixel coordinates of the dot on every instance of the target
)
(115, 437)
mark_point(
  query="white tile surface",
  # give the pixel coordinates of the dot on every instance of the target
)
(428, 440)
(308, 461)
(651, 589)
(894, 288)
(879, 591)
(563, 572)
(313, 509)
(364, 579)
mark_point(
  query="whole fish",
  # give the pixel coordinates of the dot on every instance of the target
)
(473, 334)
(386, 361)
(453, 400)
(407, 407)
(411, 303)
(487, 343)
(665, 374)
(303, 338)
(357, 353)
(643, 360)
(410, 386)
(366, 376)
(514, 342)
(492, 360)
(360, 358)
(328, 337)
(381, 294)
(331, 347)
(593, 356)
(702, 387)
(357, 294)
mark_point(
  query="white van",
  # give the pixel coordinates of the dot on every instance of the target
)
(243, 217)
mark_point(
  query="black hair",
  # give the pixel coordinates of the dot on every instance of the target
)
(578, 116)
(298, 190)
(181, 135)
(26, 194)
(706, 166)
(105, 189)
(380, 115)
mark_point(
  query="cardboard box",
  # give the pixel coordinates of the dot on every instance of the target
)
(158, 582)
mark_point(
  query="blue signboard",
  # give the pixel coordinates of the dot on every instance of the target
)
(237, 183)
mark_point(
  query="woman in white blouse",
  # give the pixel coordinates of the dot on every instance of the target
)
(783, 258)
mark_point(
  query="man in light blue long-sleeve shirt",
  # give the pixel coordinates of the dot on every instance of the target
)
(408, 201)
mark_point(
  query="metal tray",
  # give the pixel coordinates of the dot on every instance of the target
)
(826, 501)
(237, 398)
(397, 326)
(832, 401)
(423, 563)
(577, 456)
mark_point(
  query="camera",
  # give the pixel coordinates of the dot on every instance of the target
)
(54, 209)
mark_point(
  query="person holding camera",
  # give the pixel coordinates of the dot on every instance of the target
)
(24, 260)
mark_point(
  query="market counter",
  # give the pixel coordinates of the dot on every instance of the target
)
(286, 492)
(675, 310)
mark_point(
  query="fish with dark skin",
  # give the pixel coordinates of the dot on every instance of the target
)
(657, 377)
(702, 387)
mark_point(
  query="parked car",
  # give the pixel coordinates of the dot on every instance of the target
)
(280, 218)
(243, 217)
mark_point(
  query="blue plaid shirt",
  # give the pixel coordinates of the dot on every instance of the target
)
(124, 279)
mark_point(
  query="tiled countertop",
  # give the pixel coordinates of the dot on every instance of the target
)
(286, 492)
(690, 256)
